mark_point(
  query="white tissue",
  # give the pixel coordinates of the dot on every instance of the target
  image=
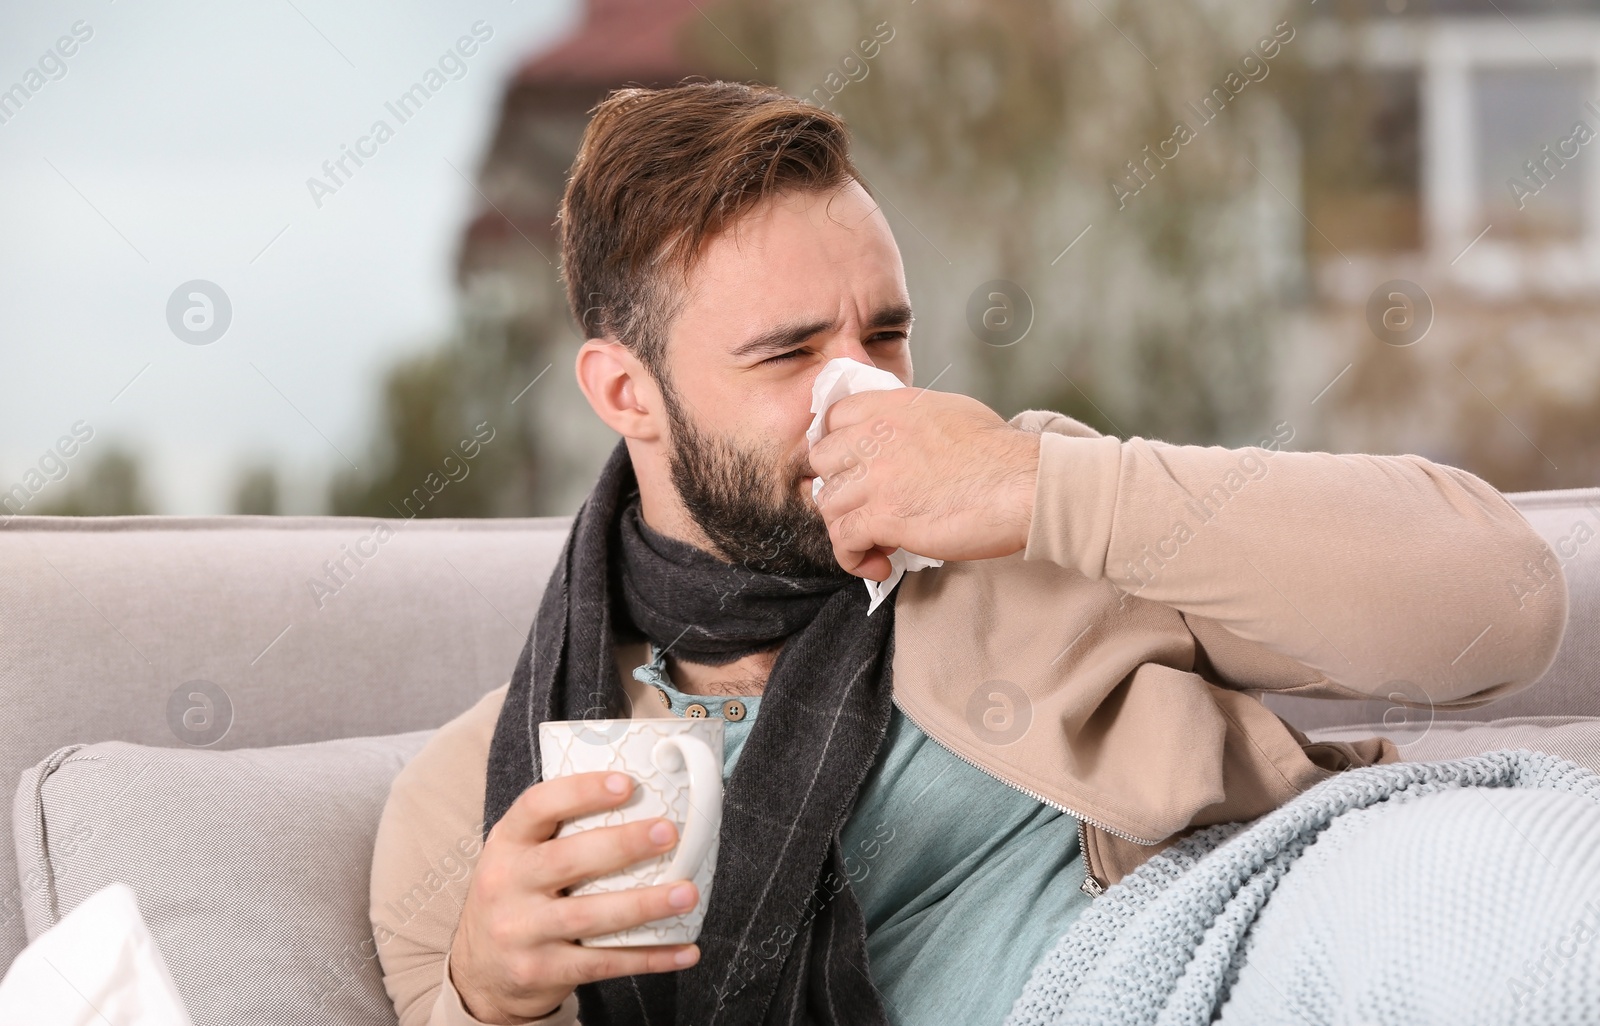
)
(98, 964)
(839, 378)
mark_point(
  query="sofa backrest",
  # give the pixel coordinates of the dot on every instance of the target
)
(300, 629)
(292, 629)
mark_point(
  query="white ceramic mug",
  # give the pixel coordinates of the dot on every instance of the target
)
(676, 765)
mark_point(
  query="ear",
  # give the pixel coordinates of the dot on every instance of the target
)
(621, 390)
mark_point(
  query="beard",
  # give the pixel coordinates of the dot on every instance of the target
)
(728, 493)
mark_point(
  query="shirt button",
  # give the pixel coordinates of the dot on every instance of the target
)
(696, 711)
(666, 700)
(733, 710)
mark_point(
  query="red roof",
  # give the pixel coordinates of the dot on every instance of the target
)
(618, 41)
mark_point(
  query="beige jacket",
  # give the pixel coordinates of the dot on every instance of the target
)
(1162, 588)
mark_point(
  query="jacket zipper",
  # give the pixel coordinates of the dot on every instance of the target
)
(1090, 885)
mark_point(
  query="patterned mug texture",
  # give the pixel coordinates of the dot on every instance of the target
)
(677, 770)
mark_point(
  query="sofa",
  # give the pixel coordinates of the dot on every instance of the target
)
(211, 709)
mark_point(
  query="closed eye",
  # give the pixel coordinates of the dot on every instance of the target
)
(882, 336)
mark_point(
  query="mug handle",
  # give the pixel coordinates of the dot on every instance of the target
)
(705, 802)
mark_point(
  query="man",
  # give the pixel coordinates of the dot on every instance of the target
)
(1006, 736)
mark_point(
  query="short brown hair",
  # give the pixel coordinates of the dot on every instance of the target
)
(662, 171)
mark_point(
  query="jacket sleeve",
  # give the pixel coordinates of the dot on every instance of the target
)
(427, 846)
(1311, 572)
(448, 1010)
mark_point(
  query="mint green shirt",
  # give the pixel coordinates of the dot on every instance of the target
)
(965, 882)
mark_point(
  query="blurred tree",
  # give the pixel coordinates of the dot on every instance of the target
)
(1034, 142)
(110, 486)
(449, 445)
(996, 133)
(256, 491)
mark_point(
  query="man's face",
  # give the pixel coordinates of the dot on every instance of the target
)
(803, 279)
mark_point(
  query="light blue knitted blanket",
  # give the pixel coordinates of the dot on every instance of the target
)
(1457, 891)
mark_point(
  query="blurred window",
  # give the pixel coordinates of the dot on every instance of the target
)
(1523, 121)
(1363, 182)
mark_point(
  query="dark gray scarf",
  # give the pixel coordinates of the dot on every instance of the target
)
(784, 940)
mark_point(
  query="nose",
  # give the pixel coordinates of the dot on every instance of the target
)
(853, 348)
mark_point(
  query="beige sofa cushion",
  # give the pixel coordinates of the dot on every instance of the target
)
(104, 621)
(1570, 737)
(250, 866)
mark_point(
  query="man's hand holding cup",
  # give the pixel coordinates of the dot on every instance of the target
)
(588, 876)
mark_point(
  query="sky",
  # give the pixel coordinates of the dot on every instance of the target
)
(168, 142)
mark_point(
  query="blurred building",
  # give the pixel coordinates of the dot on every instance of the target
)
(1413, 160)
(1451, 145)
(515, 305)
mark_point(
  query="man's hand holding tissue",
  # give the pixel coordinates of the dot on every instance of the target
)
(935, 473)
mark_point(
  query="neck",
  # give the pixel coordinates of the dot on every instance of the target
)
(675, 583)
(746, 675)
(661, 509)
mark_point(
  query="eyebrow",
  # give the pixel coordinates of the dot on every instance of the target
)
(786, 336)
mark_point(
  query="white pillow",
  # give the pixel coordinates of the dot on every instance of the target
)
(99, 964)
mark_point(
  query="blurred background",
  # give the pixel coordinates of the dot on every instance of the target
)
(298, 256)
